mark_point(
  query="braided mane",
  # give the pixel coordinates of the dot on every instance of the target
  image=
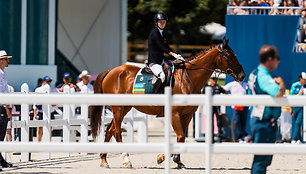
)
(200, 53)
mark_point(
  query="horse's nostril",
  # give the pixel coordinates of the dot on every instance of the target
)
(242, 77)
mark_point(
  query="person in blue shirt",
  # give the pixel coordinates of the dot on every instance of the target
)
(297, 112)
(263, 119)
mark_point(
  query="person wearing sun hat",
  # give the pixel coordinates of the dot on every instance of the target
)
(297, 88)
(5, 112)
(85, 81)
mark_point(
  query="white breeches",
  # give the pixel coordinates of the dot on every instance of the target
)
(158, 71)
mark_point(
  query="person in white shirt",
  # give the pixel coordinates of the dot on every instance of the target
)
(240, 113)
(5, 112)
(37, 109)
(85, 81)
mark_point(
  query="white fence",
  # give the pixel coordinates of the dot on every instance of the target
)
(168, 100)
(69, 121)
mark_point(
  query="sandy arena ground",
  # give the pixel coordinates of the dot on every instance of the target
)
(145, 163)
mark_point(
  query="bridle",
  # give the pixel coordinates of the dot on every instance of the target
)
(229, 71)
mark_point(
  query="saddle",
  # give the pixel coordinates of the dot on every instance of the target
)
(168, 70)
(147, 83)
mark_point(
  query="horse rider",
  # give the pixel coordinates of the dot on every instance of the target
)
(158, 45)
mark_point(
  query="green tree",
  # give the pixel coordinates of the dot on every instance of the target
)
(185, 18)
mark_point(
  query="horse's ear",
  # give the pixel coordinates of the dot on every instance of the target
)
(224, 41)
(227, 41)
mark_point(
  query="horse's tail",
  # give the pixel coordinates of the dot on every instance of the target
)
(95, 112)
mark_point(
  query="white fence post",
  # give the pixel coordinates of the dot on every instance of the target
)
(66, 116)
(130, 126)
(47, 128)
(208, 134)
(143, 129)
(168, 119)
(25, 129)
(197, 126)
(84, 115)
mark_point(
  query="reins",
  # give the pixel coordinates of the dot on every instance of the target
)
(221, 51)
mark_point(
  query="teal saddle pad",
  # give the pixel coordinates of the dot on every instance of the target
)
(143, 84)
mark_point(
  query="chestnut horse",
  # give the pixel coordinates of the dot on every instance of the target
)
(189, 79)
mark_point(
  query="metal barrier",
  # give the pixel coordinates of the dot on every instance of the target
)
(168, 100)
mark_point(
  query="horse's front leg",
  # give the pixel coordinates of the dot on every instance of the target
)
(179, 125)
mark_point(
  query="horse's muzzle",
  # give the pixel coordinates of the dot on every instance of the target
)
(241, 76)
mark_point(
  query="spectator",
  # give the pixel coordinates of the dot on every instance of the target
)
(236, 2)
(85, 81)
(78, 79)
(216, 89)
(263, 3)
(300, 3)
(301, 34)
(297, 112)
(5, 113)
(263, 119)
(241, 11)
(67, 79)
(39, 83)
(240, 113)
(290, 11)
(38, 111)
(253, 3)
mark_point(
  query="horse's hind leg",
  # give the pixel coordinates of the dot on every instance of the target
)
(108, 135)
(119, 112)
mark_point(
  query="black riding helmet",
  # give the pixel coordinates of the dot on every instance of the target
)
(160, 16)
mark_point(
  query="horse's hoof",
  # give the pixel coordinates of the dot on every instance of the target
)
(128, 165)
(160, 158)
(181, 166)
(104, 165)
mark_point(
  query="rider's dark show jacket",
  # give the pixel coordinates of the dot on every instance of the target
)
(157, 45)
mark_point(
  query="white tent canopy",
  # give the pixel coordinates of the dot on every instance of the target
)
(216, 30)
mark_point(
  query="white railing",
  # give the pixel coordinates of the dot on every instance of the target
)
(168, 101)
(69, 121)
(255, 10)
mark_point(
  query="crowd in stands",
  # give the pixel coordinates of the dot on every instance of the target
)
(286, 4)
(274, 7)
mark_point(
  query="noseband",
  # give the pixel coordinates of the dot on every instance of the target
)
(229, 71)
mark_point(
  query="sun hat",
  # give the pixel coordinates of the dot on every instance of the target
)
(84, 73)
(3, 55)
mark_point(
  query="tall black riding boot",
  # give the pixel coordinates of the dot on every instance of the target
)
(157, 86)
